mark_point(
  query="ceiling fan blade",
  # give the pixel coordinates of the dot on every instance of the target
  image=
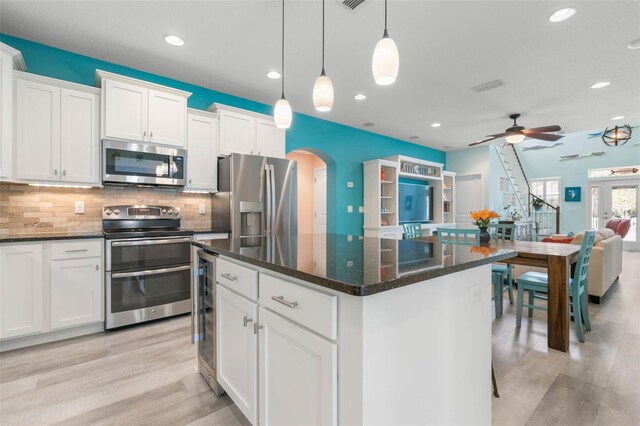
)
(481, 141)
(544, 136)
(554, 128)
(497, 135)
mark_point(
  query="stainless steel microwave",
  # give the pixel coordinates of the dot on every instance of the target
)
(142, 164)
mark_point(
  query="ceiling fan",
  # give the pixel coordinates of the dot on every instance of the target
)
(516, 134)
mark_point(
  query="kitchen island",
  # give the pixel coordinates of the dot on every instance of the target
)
(316, 329)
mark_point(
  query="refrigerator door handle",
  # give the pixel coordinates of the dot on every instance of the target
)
(267, 219)
(272, 204)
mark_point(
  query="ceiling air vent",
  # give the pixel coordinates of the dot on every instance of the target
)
(487, 86)
(352, 5)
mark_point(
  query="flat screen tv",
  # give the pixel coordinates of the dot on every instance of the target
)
(415, 203)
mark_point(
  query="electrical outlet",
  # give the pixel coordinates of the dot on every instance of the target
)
(202, 209)
(360, 209)
(349, 184)
(476, 294)
(349, 263)
(349, 237)
(79, 207)
(349, 209)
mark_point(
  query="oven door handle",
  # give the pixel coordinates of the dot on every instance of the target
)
(150, 272)
(149, 242)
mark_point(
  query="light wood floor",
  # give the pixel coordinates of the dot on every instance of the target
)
(145, 375)
(596, 383)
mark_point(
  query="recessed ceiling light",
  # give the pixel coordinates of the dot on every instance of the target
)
(174, 40)
(618, 117)
(360, 97)
(562, 14)
(273, 75)
(600, 84)
(435, 124)
(635, 44)
(368, 124)
(414, 137)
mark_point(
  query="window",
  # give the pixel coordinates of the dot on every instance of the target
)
(548, 189)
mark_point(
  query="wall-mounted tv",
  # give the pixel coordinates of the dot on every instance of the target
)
(415, 202)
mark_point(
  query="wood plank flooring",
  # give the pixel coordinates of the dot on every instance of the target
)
(145, 375)
(595, 383)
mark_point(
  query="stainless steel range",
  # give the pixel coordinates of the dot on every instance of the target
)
(148, 264)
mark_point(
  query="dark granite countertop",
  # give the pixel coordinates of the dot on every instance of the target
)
(359, 267)
(50, 236)
(208, 231)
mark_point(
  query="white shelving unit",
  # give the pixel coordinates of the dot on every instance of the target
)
(381, 199)
(448, 197)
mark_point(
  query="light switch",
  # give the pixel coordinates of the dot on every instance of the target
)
(360, 209)
(349, 237)
(476, 294)
(202, 209)
(349, 263)
(349, 209)
(79, 207)
(349, 184)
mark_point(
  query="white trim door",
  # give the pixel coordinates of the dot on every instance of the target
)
(468, 197)
(320, 201)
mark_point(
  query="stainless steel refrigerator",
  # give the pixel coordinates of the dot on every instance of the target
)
(257, 196)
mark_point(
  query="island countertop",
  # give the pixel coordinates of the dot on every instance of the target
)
(355, 266)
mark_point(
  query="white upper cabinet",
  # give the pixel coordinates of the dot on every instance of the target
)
(140, 111)
(56, 131)
(10, 59)
(125, 111)
(202, 151)
(245, 132)
(237, 133)
(270, 141)
(79, 129)
(38, 131)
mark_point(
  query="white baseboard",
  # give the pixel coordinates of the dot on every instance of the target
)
(50, 336)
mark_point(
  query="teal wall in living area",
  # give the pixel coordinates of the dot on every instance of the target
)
(344, 148)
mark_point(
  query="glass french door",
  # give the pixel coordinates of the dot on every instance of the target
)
(615, 200)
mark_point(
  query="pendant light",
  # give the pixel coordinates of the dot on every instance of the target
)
(323, 88)
(386, 60)
(282, 114)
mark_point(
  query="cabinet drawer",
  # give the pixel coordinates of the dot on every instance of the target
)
(312, 309)
(237, 278)
(76, 249)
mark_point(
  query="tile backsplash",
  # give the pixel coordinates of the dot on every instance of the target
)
(28, 209)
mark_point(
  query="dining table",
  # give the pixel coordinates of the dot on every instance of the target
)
(557, 258)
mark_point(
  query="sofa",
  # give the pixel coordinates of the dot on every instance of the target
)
(605, 265)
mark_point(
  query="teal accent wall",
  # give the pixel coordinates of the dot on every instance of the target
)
(343, 148)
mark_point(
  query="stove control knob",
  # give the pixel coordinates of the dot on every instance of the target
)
(108, 212)
(164, 211)
(116, 211)
(169, 211)
(176, 212)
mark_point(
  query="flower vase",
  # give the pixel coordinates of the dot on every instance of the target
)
(485, 237)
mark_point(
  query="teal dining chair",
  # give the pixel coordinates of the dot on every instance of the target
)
(504, 231)
(533, 282)
(412, 230)
(459, 236)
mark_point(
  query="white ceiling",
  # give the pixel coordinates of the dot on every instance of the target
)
(446, 47)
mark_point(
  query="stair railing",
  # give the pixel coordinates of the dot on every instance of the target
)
(541, 223)
(524, 175)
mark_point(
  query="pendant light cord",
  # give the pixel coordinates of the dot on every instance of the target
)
(386, 34)
(322, 37)
(282, 49)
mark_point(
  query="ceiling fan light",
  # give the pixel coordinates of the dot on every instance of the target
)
(282, 114)
(515, 138)
(323, 93)
(386, 61)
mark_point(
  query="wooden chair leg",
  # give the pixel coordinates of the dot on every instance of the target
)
(532, 298)
(577, 318)
(495, 384)
(519, 303)
(510, 283)
(584, 309)
(497, 291)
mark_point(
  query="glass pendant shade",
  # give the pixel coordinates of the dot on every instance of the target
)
(515, 138)
(282, 114)
(386, 61)
(323, 93)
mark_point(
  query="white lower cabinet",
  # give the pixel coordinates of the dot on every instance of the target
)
(76, 292)
(21, 290)
(237, 349)
(298, 378)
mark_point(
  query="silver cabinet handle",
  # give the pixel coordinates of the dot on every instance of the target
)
(64, 172)
(280, 299)
(229, 277)
(149, 242)
(189, 180)
(76, 251)
(256, 327)
(246, 320)
(151, 134)
(55, 172)
(150, 272)
(97, 267)
(144, 134)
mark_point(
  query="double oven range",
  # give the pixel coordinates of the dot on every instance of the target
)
(148, 264)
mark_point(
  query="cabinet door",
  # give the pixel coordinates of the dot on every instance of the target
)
(270, 141)
(237, 349)
(38, 131)
(21, 290)
(125, 111)
(237, 133)
(298, 374)
(202, 152)
(167, 118)
(80, 138)
(76, 292)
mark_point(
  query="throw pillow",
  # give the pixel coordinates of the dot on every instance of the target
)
(580, 236)
(605, 233)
